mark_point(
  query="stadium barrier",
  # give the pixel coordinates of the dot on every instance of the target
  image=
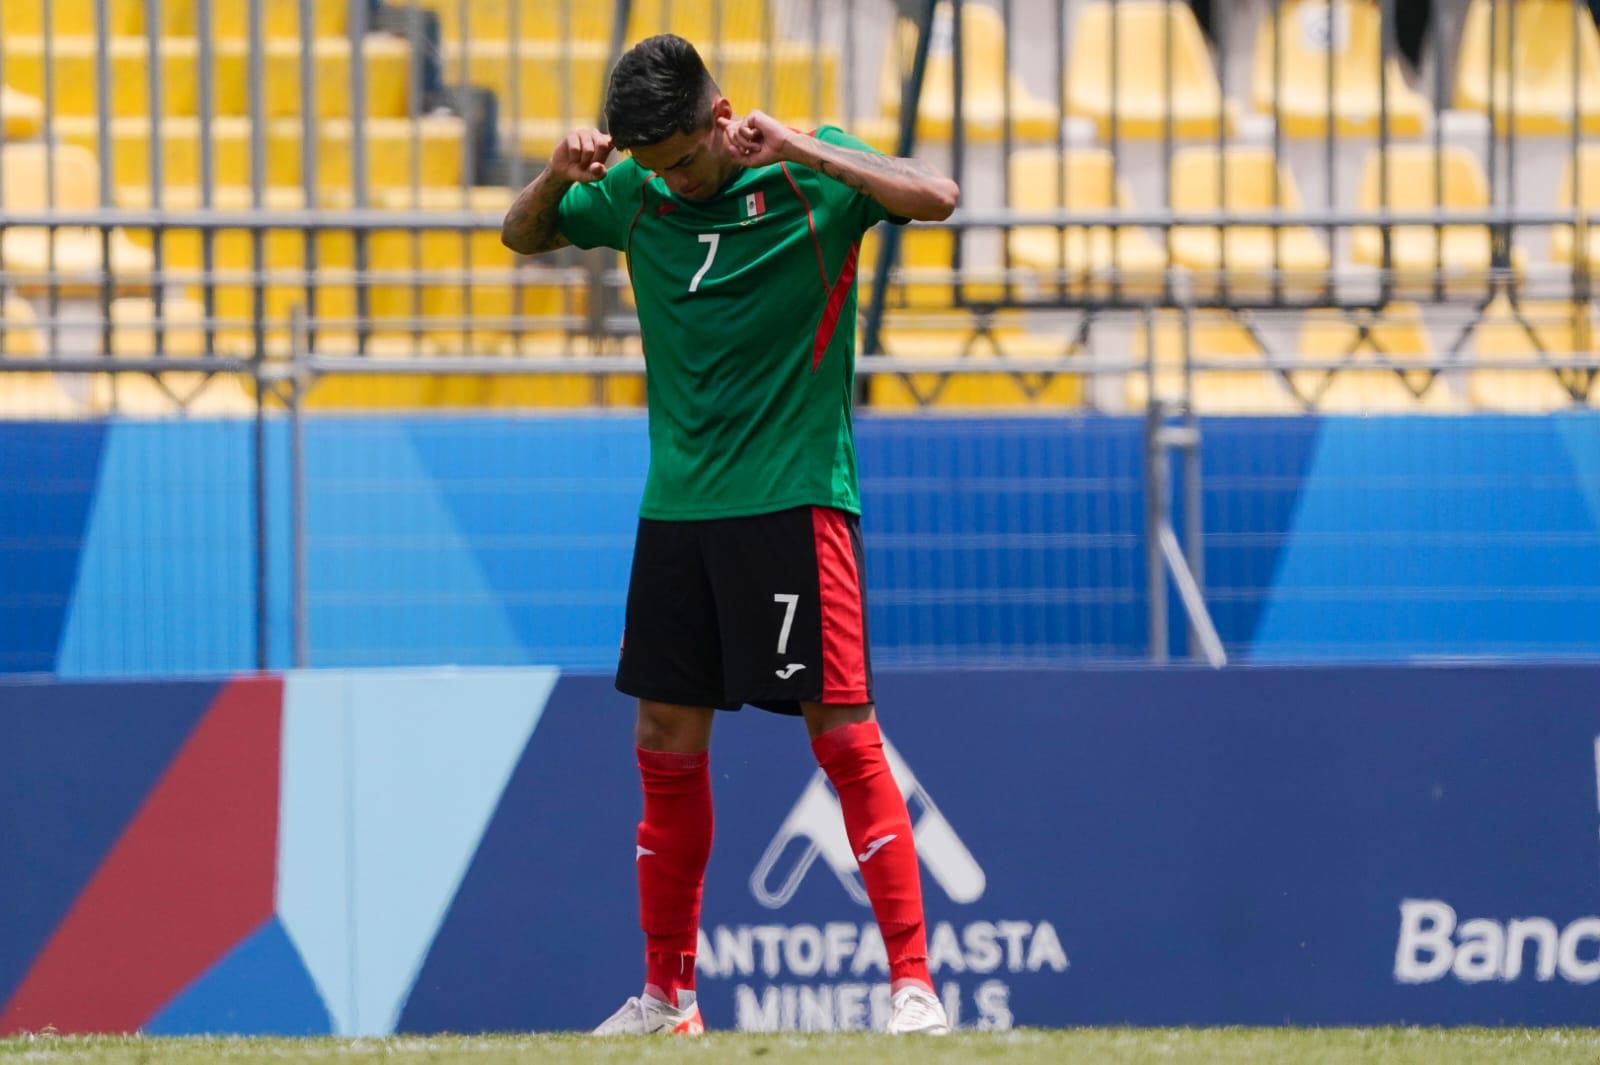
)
(414, 851)
(131, 547)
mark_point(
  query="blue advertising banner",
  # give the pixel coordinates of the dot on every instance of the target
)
(454, 852)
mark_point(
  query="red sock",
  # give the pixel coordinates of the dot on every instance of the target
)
(674, 844)
(874, 811)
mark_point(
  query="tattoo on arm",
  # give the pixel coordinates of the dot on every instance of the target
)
(530, 225)
(846, 169)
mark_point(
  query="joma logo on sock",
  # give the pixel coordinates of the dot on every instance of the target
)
(815, 829)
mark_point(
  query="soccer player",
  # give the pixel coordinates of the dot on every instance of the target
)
(741, 237)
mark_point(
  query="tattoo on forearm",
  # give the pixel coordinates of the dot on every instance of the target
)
(887, 165)
(530, 225)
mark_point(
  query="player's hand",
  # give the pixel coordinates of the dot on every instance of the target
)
(757, 139)
(582, 156)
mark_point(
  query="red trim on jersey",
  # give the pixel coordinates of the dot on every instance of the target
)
(810, 221)
(830, 313)
(844, 634)
(627, 245)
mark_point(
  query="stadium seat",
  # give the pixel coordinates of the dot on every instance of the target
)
(978, 391)
(21, 115)
(1216, 336)
(134, 322)
(389, 151)
(923, 277)
(76, 75)
(554, 81)
(1532, 332)
(28, 395)
(1533, 75)
(1081, 259)
(1461, 252)
(985, 76)
(400, 390)
(283, 258)
(1381, 352)
(1146, 100)
(74, 254)
(1580, 190)
(1351, 31)
(69, 18)
(469, 294)
(388, 65)
(535, 20)
(1247, 255)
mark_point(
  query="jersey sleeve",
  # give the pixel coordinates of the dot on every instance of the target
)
(596, 214)
(868, 211)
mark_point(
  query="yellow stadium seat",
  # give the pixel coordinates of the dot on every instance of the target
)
(74, 254)
(1533, 77)
(451, 310)
(1532, 332)
(1021, 388)
(283, 261)
(555, 82)
(1082, 259)
(76, 68)
(401, 390)
(1145, 96)
(1462, 252)
(388, 65)
(389, 151)
(1580, 190)
(69, 18)
(134, 334)
(535, 20)
(1248, 255)
(280, 19)
(985, 77)
(1381, 354)
(75, 76)
(21, 115)
(1351, 32)
(28, 395)
(1215, 336)
(923, 277)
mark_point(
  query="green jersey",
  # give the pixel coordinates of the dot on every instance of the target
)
(747, 306)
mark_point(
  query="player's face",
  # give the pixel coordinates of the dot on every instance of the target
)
(694, 165)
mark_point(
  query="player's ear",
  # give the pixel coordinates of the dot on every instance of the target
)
(721, 109)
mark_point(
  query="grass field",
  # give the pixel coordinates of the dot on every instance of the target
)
(1388, 1046)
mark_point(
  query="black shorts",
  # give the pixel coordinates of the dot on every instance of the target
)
(768, 610)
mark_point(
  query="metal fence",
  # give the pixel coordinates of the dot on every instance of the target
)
(212, 210)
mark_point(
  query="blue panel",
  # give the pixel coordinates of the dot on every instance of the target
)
(393, 580)
(550, 890)
(1252, 474)
(47, 478)
(1002, 539)
(548, 508)
(75, 764)
(167, 579)
(260, 988)
(1425, 537)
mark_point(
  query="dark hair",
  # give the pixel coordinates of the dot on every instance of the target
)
(658, 88)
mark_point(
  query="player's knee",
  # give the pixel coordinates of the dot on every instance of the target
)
(680, 729)
(824, 717)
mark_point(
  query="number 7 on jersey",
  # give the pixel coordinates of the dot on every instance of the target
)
(711, 253)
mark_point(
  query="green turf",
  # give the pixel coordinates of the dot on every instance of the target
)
(1231, 1045)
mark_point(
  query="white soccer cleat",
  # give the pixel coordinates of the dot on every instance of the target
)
(648, 1015)
(915, 1011)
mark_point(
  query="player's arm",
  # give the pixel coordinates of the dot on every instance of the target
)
(907, 188)
(531, 225)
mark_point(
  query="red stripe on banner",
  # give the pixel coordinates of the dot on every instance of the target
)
(190, 877)
(844, 636)
(830, 313)
(815, 243)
